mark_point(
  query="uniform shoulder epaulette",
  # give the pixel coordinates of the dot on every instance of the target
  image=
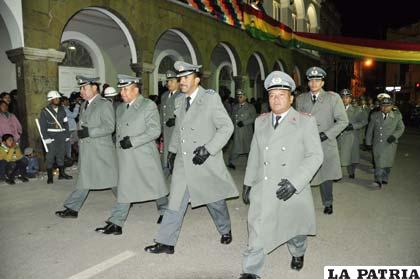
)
(210, 91)
(262, 115)
(305, 113)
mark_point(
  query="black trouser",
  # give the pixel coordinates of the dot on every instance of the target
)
(14, 168)
(326, 192)
(56, 151)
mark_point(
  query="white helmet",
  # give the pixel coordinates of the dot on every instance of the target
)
(52, 95)
(110, 92)
(383, 95)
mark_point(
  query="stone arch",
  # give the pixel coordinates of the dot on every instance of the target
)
(175, 44)
(256, 74)
(108, 41)
(222, 56)
(279, 66)
(297, 76)
(312, 19)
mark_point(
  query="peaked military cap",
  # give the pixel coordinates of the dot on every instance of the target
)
(386, 102)
(315, 73)
(126, 80)
(279, 80)
(239, 92)
(184, 69)
(82, 80)
(345, 92)
(170, 75)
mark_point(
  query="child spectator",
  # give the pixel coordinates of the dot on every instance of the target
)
(11, 160)
(32, 163)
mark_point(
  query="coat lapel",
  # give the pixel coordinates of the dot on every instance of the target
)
(195, 107)
(286, 126)
(319, 101)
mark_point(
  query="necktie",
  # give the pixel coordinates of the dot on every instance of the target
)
(128, 105)
(277, 121)
(86, 104)
(188, 103)
(313, 99)
(385, 115)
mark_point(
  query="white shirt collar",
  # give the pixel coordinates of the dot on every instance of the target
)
(193, 95)
(130, 103)
(283, 115)
(315, 94)
(91, 100)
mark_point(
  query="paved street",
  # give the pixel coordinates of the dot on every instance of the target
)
(368, 227)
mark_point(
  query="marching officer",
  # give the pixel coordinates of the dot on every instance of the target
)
(331, 117)
(202, 128)
(96, 164)
(384, 129)
(167, 117)
(285, 154)
(243, 117)
(140, 171)
(348, 140)
(167, 122)
(55, 132)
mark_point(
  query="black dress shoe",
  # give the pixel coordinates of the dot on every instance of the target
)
(248, 276)
(351, 176)
(297, 263)
(231, 166)
(110, 228)
(328, 210)
(67, 213)
(226, 238)
(159, 219)
(23, 178)
(160, 248)
(10, 181)
(384, 182)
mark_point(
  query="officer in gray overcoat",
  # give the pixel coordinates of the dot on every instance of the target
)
(243, 117)
(202, 128)
(384, 129)
(167, 117)
(167, 122)
(348, 140)
(140, 171)
(285, 154)
(97, 158)
(54, 127)
(331, 118)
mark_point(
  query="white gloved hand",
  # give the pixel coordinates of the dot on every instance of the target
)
(48, 141)
(67, 139)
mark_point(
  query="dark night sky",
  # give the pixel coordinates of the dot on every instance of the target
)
(370, 18)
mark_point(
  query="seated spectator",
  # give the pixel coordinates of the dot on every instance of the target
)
(9, 124)
(11, 160)
(32, 163)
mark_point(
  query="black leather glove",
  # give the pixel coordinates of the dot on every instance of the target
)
(349, 127)
(240, 124)
(201, 155)
(84, 133)
(245, 193)
(170, 122)
(171, 161)
(286, 190)
(391, 139)
(323, 136)
(125, 143)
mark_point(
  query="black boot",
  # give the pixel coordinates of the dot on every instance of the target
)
(62, 174)
(50, 176)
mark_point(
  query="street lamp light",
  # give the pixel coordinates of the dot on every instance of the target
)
(368, 62)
